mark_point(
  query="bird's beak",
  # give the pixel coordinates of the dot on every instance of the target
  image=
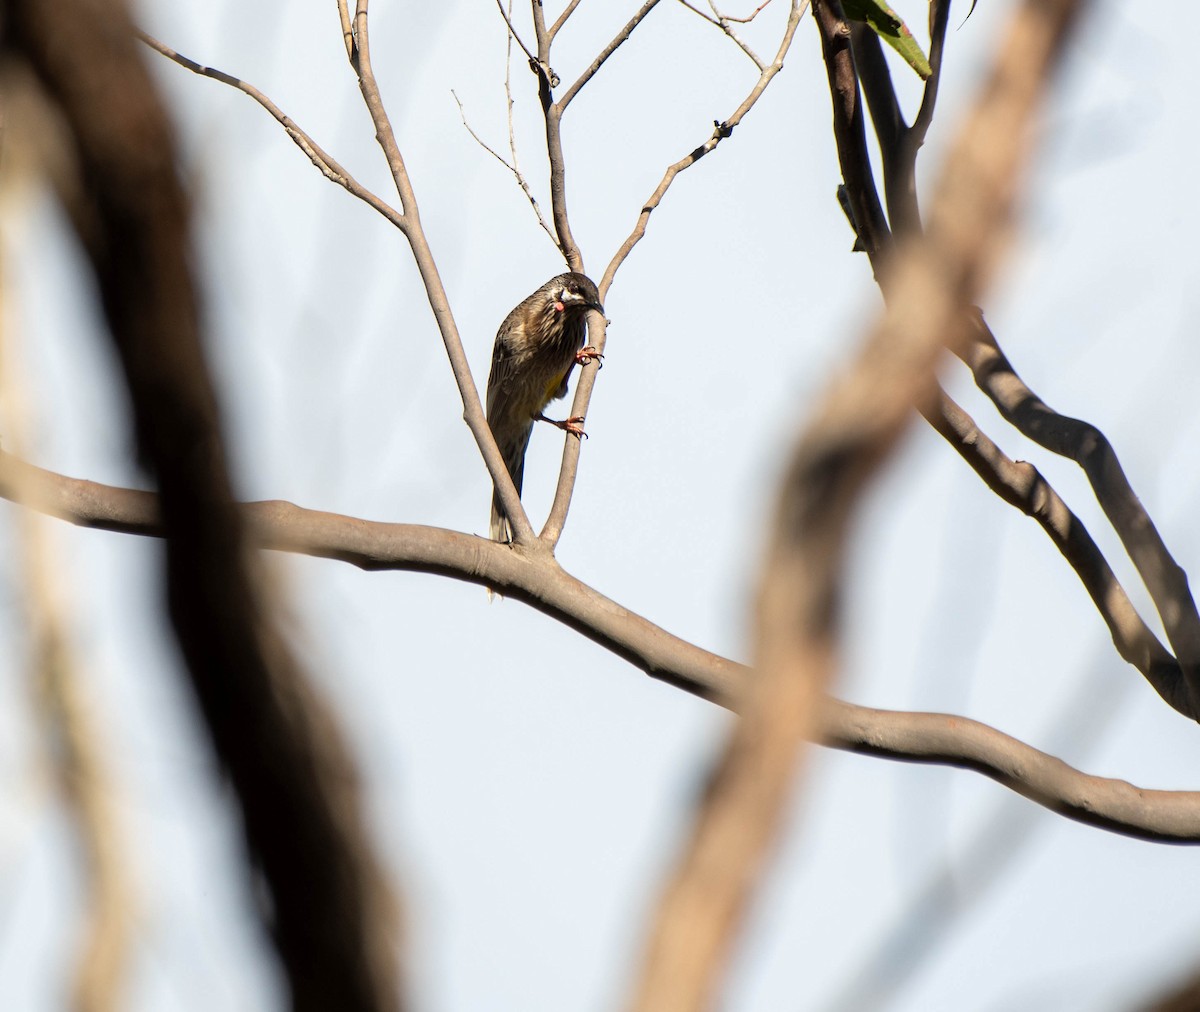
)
(596, 306)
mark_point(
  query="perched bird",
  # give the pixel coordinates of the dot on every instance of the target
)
(537, 346)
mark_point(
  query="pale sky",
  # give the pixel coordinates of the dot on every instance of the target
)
(527, 789)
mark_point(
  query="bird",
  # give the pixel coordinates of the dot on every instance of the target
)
(537, 346)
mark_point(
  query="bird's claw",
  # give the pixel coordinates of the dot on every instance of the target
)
(573, 425)
(589, 354)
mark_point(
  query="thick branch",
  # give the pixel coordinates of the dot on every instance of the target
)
(1022, 486)
(1085, 444)
(1178, 682)
(849, 131)
(937, 739)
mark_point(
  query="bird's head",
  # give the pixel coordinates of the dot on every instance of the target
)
(574, 291)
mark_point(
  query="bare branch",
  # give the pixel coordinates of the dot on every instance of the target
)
(1090, 449)
(723, 24)
(1177, 681)
(562, 19)
(328, 167)
(721, 131)
(511, 167)
(862, 198)
(512, 32)
(597, 331)
(902, 189)
(1022, 486)
(410, 225)
(936, 739)
(347, 27)
(853, 431)
(944, 739)
(618, 40)
(360, 59)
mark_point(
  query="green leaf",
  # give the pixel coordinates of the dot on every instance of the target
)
(890, 27)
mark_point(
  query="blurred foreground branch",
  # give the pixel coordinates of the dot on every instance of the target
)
(931, 282)
(329, 910)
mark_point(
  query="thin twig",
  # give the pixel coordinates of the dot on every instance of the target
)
(512, 32)
(597, 333)
(328, 167)
(618, 40)
(727, 30)
(720, 132)
(512, 136)
(741, 21)
(562, 19)
(930, 738)
(511, 167)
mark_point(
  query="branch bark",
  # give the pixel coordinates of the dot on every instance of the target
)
(932, 738)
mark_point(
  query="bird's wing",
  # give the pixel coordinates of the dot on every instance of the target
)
(499, 385)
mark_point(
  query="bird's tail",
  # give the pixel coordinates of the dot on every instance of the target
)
(513, 452)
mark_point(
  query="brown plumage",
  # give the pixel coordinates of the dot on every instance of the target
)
(536, 348)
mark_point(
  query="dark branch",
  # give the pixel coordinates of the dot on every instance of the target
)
(328, 905)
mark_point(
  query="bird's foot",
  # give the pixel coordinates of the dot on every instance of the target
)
(589, 354)
(573, 425)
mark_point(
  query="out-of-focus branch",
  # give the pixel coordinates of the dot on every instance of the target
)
(72, 737)
(329, 907)
(852, 433)
(82, 772)
(933, 738)
(1183, 997)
